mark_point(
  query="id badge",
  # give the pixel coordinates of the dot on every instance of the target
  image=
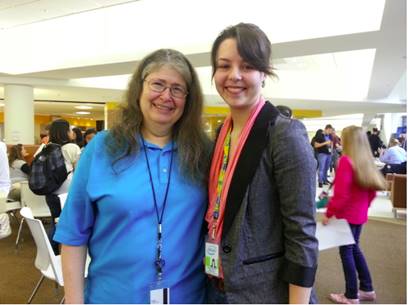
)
(212, 259)
(159, 293)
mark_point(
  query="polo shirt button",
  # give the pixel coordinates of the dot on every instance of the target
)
(226, 249)
(165, 170)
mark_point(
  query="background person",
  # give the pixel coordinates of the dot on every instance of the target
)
(261, 211)
(355, 185)
(61, 134)
(148, 172)
(88, 135)
(44, 136)
(19, 170)
(4, 170)
(318, 134)
(323, 145)
(394, 157)
(336, 151)
(375, 142)
(77, 137)
(394, 154)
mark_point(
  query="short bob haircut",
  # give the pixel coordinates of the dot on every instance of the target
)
(59, 130)
(192, 143)
(253, 46)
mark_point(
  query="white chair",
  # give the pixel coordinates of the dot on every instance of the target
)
(46, 261)
(8, 206)
(36, 203)
(63, 198)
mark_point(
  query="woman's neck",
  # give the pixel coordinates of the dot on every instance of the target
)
(157, 135)
(240, 117)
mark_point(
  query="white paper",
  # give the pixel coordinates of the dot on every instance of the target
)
(336, 233)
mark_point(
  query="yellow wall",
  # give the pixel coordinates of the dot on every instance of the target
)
(40, 121)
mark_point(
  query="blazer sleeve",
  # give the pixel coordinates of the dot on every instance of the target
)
(294, 172)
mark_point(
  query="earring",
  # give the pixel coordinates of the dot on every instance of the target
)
(263, 84)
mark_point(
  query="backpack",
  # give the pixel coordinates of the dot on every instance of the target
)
(48, 171)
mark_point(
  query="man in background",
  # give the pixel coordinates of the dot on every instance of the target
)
(44, 140)
(375, 142)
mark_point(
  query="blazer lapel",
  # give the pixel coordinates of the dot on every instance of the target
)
(248, 163)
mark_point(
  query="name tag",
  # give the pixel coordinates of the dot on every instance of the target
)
(160, 296)
(212, 260)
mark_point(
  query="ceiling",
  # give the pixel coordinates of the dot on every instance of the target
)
(339, 56)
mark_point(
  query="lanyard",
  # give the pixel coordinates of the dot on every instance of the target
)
(221, 176)
(159, 262)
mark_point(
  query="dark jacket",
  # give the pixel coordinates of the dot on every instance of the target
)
(268, 238)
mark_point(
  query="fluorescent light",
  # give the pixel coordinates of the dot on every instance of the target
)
(82, 112)
(119, 82)
(83, 107)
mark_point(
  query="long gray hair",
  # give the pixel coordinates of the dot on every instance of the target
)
(192, 142)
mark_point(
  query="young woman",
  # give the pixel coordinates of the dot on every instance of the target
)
(77, 137)
(88, 135)
(60, 133)
(19, 170)
(355, 185)
(138, 198)
(261, 245)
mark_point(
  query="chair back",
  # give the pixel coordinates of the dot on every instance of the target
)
(37, 203)
(399, 191)
(45, 255)
(3, 207)
(63, 198)
(8, 206)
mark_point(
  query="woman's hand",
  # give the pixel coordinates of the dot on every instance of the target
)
(325, 220)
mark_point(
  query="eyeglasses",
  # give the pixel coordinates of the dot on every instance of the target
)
(158, 86)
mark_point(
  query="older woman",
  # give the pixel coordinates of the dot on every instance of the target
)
(138, 196)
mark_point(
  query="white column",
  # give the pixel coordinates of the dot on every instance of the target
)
(19, 114)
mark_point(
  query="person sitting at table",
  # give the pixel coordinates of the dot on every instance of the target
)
(395, 158)
(19, 169)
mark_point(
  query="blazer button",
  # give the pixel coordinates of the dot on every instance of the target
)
(226, 249)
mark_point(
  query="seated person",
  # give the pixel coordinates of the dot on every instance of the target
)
(395, 158)
(4, 170)
(89, 134)
(19, 170)
(44, 140)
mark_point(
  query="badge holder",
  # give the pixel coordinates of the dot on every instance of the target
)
(159, 293)
(159, 290)
(212, 259)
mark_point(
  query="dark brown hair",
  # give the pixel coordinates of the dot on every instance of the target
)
(192, 143)
(253, 46)
(16, 153)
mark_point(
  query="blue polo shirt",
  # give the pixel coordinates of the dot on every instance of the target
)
(111, 210)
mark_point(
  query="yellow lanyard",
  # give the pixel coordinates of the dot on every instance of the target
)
(216, 213)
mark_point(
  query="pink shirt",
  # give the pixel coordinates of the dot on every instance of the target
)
(350, 201)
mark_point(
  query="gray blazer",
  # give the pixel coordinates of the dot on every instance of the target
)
(268, 238)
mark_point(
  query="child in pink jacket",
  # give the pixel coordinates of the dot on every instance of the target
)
(355, 185)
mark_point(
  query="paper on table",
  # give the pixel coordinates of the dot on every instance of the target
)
(336, 233)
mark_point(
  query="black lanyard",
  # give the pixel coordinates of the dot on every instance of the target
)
(159, 262)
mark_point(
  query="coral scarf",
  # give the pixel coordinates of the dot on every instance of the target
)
(216, 167)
